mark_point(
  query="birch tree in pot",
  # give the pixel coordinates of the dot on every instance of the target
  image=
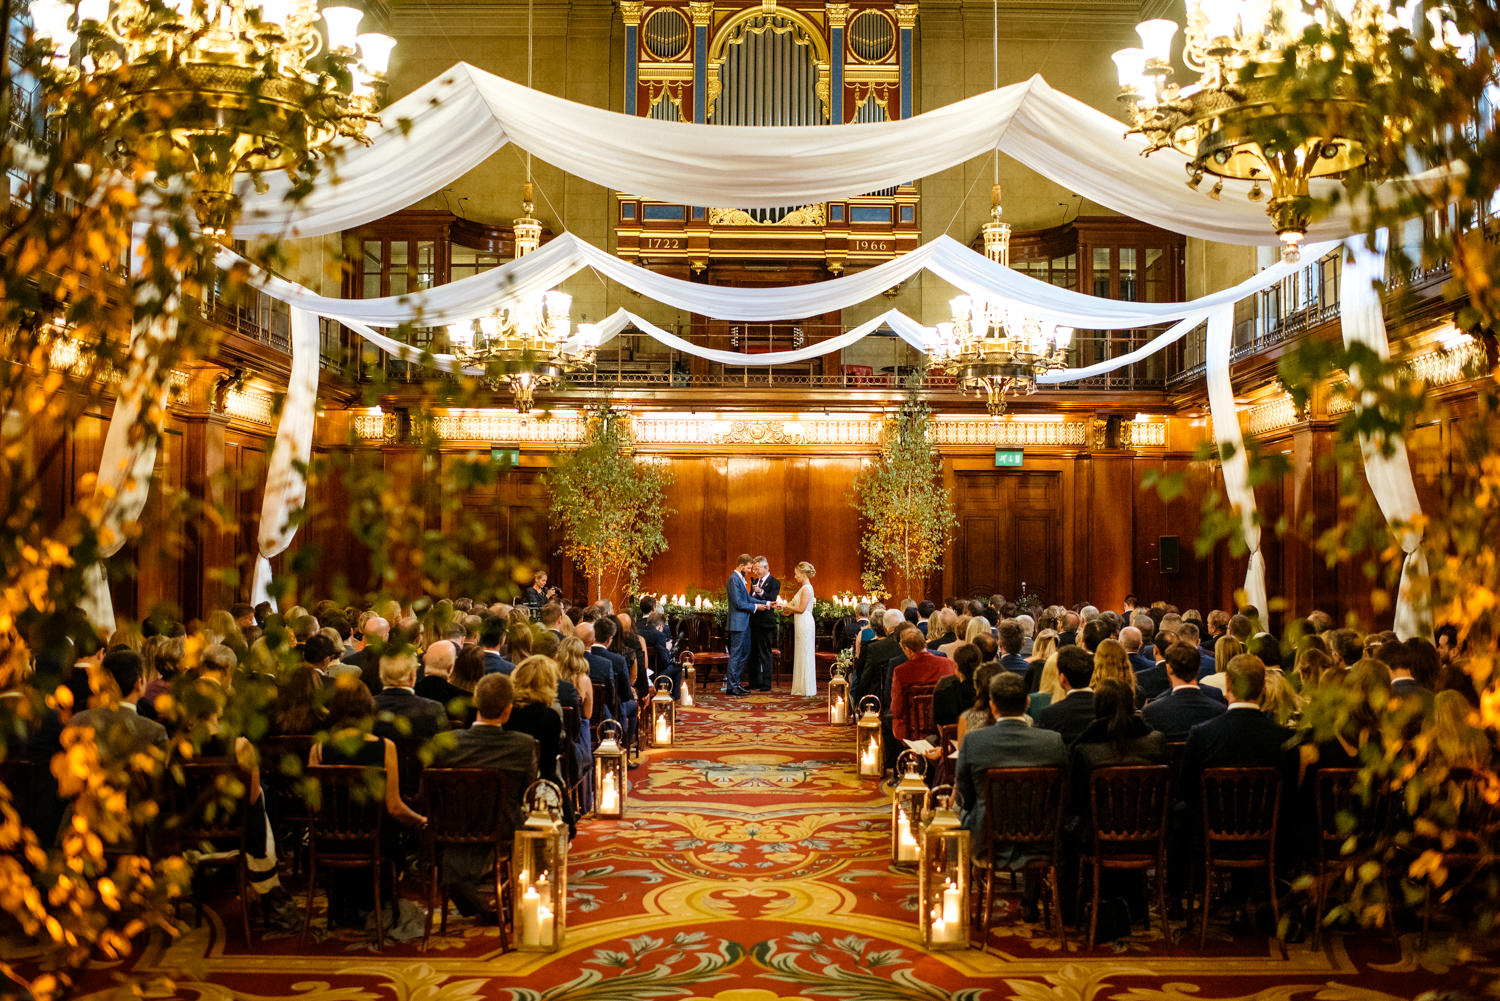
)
(608, 504)
(907, 513)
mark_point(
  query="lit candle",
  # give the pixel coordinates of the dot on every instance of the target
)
(906, 845)
(687, 696)
(531, 918)
(609, 799)
(951, 900)
(547, 935)
(698, 602)
(867, 759)
(939, 926)
(663, 731)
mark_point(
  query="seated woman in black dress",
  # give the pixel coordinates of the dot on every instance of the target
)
(955, 693)
(351, 709)
(535, 712)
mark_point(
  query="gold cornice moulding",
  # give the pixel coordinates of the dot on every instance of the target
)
(747, 431)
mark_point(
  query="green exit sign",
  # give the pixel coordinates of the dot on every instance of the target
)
(505, 455)
(1010, 457)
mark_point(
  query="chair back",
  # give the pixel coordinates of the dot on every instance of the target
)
(471, 806)
(347, 811)
(210, 803)
(918, 710)
(1129, 805)
(1023, 807)
(1241, 805)
(605, 704)
(1348, 808)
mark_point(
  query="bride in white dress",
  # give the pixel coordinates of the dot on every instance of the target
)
(804, 643)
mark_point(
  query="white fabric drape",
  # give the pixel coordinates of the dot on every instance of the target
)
(286, 481)
(1387, 468)
(432, 137)
(1235, 462)
(129, 458)
(567, 254)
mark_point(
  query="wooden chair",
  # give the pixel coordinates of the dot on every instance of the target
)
(1241, 809)
(1353, 819)
(947, 767)
(282, 762)
(1023, 810)
(917, 711)
(344, 833)
(470, 808)
(1128, 806)
(207, 814)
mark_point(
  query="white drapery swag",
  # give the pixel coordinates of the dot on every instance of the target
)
(1387, 468)
(451, 125)
(129, 458)
(286, 483)
(945, 257)
(1231, 441)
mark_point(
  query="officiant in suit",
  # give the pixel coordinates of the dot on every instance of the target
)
(741, 607)
(764, 590)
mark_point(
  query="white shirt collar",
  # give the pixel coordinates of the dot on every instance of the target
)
(1245, 705)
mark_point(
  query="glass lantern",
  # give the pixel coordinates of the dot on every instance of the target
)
(609, 772)
(869, 741)
(907, 800)
(943, 876)
(838, 697)
(539, 893)
(689, 682)
(662, 718)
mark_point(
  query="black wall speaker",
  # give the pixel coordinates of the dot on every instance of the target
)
(1168, 553)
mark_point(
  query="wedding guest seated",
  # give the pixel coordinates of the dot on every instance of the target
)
(1071, 716)
(1188, 633)
(1240, 737)
(296, 710)
(491, 641)
(872, 671)
(653, 632)
(1012, 636)
(1048, 688)
(922, 667)
(1112, 664)
(400, 711)
(350, 707)
(955, 693)
(605, 665)
(437, 668)
(1117, 736)
(536, 713)
(121, 731)
(1130, 639)
(1186, 704)
(488, 743)
(978, 715)
(1225, 650)
(1010, 742)
(375, 631)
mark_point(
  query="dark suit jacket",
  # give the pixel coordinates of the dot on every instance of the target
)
(503, 750)
(1205, 662)
(770, 590)
(1407, 689)
(933, 642)
(1238, 738)
(1181, 709)
(605, 664)
(1070, 717)
(1006, 743)
(444, 693)
(740, 603)
(1152, 683)
(1015, 663)
(428, 718)
(881, 658)
(369, 667)
(656, 640)
(495, 662)
(120, 732)
(1141, 662)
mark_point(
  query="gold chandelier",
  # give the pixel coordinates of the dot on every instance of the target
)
(248, 85)
(996, 233)
(1239, 121)
(530, 339)
(998, 348)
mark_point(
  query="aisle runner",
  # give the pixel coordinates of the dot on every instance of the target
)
(752, 866)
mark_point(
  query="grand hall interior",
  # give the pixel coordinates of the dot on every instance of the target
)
(750, 500)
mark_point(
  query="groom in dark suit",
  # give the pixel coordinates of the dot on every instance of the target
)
(764, 590)
(741, 607)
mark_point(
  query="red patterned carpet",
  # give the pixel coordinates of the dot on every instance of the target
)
(752, 866)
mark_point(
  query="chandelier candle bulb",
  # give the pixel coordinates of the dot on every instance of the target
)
(343, 27)
(96, 11)
(375, 52)
(1156, 39)
(272, 12)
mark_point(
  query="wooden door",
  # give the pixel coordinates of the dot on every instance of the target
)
(1009, 525)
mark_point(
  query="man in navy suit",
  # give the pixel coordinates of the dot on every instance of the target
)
(764, 590)
(653, 629)
(1153, 681)
(1009, 743)
(491, 638)
(1130, 639)
(1241, 737)
(1185, 705)
(1012, 636)
(1188, 633)
(606, 667)
(741, 607)
(1071, 716)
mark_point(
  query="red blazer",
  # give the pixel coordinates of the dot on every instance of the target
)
(923, 669)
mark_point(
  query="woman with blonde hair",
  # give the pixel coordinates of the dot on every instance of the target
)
(1044, 647)
(534, 682)
(573, 665)
(1049, 686)
(1225, 650)
(1455, 740)
(1278, 700)
(1112, 663)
